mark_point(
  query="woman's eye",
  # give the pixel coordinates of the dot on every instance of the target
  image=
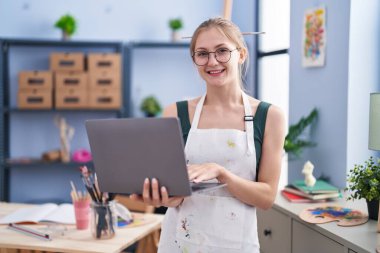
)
(222, 50)
(201, 54)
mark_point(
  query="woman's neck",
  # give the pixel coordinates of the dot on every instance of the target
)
(225, 97)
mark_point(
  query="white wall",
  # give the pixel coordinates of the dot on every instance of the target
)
(104, 20)
(340, 90)
(364, 76)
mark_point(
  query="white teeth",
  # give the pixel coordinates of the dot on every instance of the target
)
(215, 71)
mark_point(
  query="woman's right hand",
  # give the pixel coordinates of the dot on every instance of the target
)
(154, 196)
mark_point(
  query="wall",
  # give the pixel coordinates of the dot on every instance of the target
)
(167, 73)
(105, 20)
(364, 76)
(332, 88)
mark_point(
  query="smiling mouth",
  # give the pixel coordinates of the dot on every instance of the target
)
(215, 72)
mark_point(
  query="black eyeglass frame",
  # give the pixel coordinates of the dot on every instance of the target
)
(216, 58)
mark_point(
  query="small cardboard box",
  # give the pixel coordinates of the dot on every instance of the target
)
(67, 62)
(105, 98)
(71, 80)
(35, 79)
(35, 98)
(110, 62)
(104, 79)
(71, 98)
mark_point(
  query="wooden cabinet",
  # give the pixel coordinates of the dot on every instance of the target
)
(273, 230)
(281, 230)
(308, 240)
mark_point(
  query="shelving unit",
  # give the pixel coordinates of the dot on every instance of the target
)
(162, 60)
(17, 55)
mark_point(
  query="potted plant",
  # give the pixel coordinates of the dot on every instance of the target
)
(150, 106)
(294, 144)
(68, 25)
(175, 25)
(364, 183)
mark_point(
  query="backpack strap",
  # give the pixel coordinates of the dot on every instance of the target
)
(259, 126)
(183, 115)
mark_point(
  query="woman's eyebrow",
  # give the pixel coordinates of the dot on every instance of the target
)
(217, 46)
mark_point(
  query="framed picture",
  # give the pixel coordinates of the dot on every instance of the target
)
(314, 37)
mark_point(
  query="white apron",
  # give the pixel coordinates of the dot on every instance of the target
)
(215, 221)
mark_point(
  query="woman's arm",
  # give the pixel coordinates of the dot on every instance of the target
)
(262, 193)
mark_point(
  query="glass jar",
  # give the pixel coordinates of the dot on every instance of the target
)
(103, 220)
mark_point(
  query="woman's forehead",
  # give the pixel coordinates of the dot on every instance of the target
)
(211, 38)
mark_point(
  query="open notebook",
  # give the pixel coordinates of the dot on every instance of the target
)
(50, 212)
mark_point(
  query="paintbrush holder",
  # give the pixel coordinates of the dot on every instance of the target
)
(103, 220)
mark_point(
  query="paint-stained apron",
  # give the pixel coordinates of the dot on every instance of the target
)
(215, 221)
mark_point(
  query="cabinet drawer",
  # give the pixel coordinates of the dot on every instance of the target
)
(305, 239)
(274, 229)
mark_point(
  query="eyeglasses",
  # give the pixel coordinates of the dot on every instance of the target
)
(222, 55)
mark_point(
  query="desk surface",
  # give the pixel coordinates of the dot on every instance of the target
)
(73, 240)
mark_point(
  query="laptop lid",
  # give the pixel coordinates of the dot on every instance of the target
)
(126, 151)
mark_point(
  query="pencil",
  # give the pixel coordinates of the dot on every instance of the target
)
(28, 231)
(74, 194)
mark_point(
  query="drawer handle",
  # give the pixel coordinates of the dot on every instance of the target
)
(267, 232)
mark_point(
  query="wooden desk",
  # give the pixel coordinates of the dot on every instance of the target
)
(73, 240)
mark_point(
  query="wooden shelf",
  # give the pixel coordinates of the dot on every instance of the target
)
(43, 164)
(159, 44)
(18, 110)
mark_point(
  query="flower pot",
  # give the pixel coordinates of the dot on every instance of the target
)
(65, 36)
(176, 36)
(373, 209)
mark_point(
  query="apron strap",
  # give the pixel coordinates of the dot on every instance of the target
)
(248, 118)
(197, 114)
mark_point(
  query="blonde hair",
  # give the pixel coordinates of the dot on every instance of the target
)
(232, 32)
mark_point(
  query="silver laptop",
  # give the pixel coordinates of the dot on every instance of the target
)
(126, 151)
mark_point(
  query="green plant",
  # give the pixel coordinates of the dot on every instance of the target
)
(150, 106)
(175, 24)
(364, 181)
(293, 143)
(67, 24)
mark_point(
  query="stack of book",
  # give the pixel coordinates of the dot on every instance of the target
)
(320, 192)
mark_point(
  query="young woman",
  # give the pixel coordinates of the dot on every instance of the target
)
(223, 144)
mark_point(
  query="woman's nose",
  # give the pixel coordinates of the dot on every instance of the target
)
(212, 59)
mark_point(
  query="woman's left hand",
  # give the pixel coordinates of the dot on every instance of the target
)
(203, 172)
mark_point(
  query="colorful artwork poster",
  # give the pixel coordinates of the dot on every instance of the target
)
(314, 37)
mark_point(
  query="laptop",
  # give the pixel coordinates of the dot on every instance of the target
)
(126, 151)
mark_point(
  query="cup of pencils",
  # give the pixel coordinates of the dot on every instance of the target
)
(81, 202)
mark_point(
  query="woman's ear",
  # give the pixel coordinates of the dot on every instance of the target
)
(242, 55)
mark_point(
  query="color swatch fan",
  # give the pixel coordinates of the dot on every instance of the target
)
(345, 217)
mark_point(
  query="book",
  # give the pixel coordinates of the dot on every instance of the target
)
(50, 212)
(313, 196)
(320, 186)
(291, 197)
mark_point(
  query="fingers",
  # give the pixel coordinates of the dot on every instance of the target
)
(169, 202)
(203, 172)
(194, 171)
(156, 200)
(151, 193)
(146, 191)
(164, 196)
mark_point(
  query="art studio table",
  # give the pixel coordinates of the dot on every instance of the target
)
(73, 240)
